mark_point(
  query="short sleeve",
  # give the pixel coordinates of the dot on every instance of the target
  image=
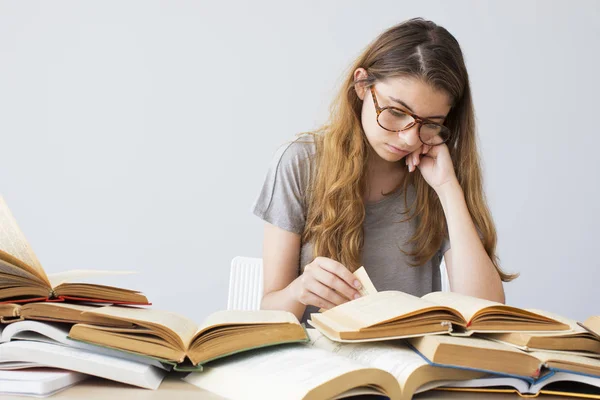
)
(445, 246)
(282, 200)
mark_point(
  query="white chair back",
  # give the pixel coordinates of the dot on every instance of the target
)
(245, 284)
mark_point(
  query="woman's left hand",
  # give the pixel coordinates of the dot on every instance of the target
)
(435, 165)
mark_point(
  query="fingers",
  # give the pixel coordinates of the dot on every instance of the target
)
(309, 298)
(412, 160)
(332, 281)
(325, 292)
(350, 284)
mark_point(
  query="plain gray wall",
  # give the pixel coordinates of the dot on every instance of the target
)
(136, 134)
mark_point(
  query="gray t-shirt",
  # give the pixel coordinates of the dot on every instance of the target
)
(281, 202)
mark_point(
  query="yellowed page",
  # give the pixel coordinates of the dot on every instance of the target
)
(13, 242)
(574, 327)
(179, 329)
(465, 342)
(466, 305)
(377, 308)
(547, 356)
(470, 307)
(10, 269)
(246, 317)
(365, 281)
(593, 324)
(279, 372)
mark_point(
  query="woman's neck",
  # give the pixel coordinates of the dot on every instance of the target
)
(382, 177)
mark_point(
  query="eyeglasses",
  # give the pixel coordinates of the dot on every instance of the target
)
(395, 120)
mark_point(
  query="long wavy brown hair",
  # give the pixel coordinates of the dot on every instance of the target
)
(419, 49)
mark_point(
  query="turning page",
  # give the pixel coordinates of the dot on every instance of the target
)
(13, 242)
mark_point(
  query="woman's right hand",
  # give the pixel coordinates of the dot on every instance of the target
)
(325, 283)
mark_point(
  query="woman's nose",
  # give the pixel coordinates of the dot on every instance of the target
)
(410, 136)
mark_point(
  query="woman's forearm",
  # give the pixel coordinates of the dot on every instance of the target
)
(472, 271)
(283, 300)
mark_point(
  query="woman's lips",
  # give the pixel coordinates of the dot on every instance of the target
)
(396, 150)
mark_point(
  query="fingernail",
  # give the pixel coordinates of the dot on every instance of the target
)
(357, 284)
(356, 296)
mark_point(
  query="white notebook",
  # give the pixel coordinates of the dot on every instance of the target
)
(38, 382)
(84, 361)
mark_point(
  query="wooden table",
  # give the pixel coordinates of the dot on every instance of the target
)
(173, 388)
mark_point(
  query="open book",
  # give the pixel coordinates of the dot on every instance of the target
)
(56, 333)
(172, 337)
(394, 314)
(482, 354)
(56, 312)
(22, 278)
(577, 340)
(559, 384)
(322, 369)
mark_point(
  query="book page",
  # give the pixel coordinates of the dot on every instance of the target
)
(10, 269)
(247, 317)
(394, 357)
(574, 327)
(468, 306)
(176, 327)
(377, 308)
(367, 285)
(564, 358)
(13, 242)
(279, 372)
(593, 324)
(432, 341)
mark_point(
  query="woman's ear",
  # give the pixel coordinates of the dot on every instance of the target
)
(360, 87)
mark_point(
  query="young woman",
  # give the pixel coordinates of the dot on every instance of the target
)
(392, 182)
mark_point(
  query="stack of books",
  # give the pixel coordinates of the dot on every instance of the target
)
(56, 330)
(396, 345)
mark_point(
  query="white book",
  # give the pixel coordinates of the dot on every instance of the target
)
(57, 333)
(38, 382)
(84, 361)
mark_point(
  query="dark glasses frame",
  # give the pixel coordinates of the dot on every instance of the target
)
(416, 118)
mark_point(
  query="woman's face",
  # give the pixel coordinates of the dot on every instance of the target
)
(414, 96)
